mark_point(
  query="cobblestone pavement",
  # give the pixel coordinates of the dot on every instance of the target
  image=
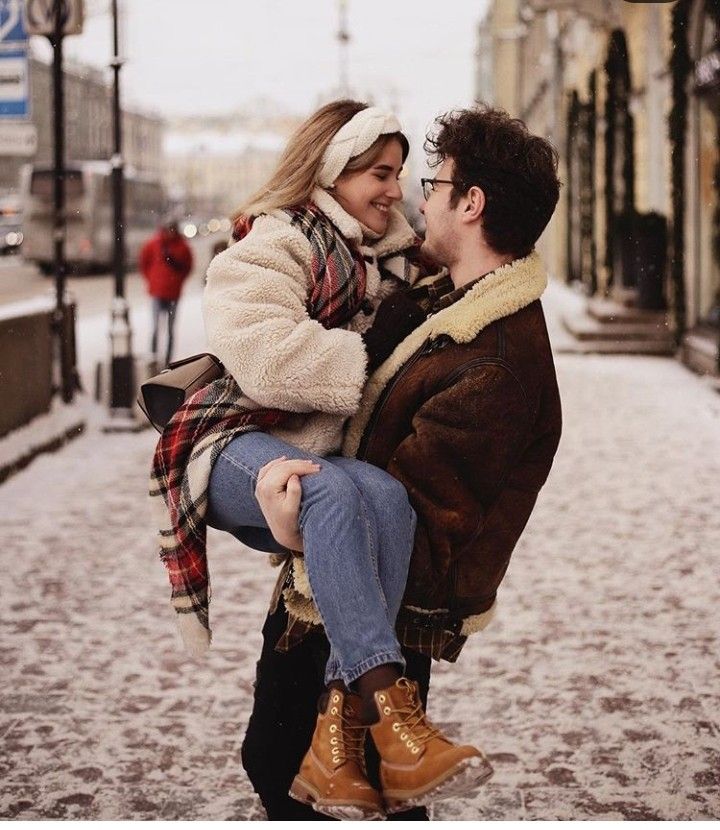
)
(595, 692)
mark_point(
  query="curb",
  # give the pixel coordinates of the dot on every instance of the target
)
(45, 434)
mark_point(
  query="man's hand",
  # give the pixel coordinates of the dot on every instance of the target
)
(278, 492)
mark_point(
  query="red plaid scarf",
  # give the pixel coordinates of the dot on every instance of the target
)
(332, 294)
(210, 419)
(338, 269)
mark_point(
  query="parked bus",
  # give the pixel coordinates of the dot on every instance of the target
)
(89, 243)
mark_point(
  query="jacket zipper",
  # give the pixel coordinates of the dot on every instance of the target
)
(427, 347)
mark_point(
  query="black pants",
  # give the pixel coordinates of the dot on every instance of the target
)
(287, 687)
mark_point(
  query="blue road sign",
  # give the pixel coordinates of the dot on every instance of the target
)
(12, 24)
(14, 84)
(14, 80)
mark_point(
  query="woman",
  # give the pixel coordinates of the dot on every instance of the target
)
(294, 312)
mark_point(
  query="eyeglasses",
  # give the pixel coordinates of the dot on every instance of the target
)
(428, 186)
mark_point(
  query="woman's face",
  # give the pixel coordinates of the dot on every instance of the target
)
(367, 195)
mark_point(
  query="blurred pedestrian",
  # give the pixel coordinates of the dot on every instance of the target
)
(165, 262)
(217, 248)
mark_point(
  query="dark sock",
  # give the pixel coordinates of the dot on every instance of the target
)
(372, 681)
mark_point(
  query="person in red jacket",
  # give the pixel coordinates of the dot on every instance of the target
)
(165, 262)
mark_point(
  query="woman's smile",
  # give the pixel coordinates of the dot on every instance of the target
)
(369, 194)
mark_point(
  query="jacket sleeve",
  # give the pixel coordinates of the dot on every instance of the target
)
(258, 325)
(186, 260)
(465, 442)
(145, 258)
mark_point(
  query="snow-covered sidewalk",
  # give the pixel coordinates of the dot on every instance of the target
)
(595, 692)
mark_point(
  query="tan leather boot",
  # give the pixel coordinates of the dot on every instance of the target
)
(332, 776)
(419, 764)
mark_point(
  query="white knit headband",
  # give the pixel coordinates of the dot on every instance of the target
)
(353, 138)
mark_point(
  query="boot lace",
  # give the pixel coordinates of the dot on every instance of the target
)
(413, 718)
(351, 741)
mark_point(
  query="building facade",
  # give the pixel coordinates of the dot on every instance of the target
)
(629, 93)
(214, 164)
(88, 124)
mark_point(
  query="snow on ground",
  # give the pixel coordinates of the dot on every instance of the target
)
(44, 432)
(594, 692)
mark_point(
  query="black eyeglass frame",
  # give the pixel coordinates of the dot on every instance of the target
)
(430, 183)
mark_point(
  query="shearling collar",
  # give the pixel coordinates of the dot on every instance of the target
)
(500, 294)
(399, 234)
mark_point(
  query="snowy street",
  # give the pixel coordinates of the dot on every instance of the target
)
(594, 692)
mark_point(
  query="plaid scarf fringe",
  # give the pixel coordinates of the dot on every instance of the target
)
(179, 481)
(205, 424)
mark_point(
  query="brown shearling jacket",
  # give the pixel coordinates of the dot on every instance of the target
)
(466, 414)
(471, 429)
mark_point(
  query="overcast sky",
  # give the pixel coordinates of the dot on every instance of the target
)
(217, 55)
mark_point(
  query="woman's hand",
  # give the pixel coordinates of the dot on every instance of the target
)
(278, 492)
(396, 317)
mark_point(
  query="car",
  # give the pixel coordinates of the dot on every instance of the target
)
(11, 234)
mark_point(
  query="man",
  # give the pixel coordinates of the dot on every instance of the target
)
(165, 262)
(465, 413)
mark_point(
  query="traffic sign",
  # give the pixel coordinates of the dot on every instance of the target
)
(14, 84)
(17, 139)
(12, 25)
(41, 16)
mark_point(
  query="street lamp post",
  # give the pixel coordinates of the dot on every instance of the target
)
(122, 369)
(343, 37)
(65, 380)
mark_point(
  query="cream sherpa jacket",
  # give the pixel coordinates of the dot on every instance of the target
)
(257, 323)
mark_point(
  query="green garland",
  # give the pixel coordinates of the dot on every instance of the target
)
(570, 184)
(581, 126)
(592, 134)
(716, 214)
(712, 9)
(680, 66)
(617, 71)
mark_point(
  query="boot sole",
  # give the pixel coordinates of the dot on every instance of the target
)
(301, 791)
(467, 777)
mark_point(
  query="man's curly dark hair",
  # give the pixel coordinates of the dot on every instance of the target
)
(517, 172)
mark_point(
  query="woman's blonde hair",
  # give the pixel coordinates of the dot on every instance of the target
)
(295, 176)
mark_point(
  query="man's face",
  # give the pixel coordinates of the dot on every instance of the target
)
(440, 218)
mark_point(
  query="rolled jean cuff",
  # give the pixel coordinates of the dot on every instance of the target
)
(351, 675)
(332, 672)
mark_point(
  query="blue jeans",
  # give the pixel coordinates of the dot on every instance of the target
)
(166, 309)
(358, 529)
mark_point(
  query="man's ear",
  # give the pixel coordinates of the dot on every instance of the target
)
(474, 204)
